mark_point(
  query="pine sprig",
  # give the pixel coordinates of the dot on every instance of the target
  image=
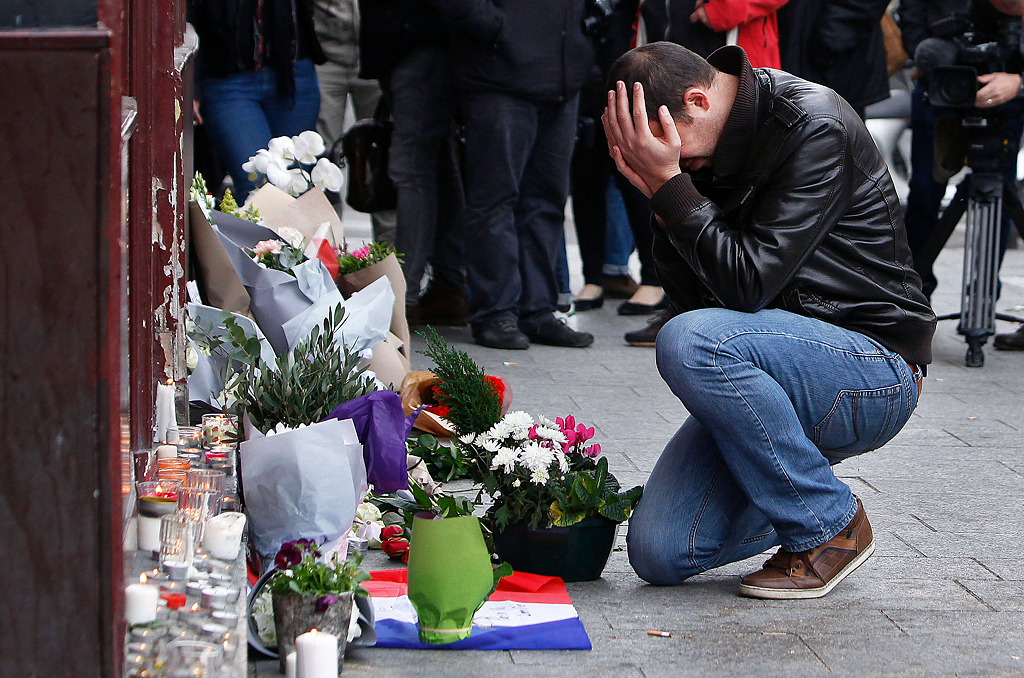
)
(473, 403)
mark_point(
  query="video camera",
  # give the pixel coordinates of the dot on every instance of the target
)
(957, 54)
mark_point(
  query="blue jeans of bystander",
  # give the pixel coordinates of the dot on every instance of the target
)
(775, 399)
(244, 111)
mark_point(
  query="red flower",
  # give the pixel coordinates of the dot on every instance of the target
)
(391, 532)
(396, 549)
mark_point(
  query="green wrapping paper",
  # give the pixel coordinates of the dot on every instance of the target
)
(450, 576)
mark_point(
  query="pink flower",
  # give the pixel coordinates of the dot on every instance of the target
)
(584, 433)
(533, 432)
(362, 252)
(593, 450)
(571, 438)
(267, 247)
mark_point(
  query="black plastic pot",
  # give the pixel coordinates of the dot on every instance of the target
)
(576, 553)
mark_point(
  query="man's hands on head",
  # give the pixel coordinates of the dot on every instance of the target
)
(645, 158)
(996, 89)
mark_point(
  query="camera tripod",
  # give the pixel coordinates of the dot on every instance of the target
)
(983, 194)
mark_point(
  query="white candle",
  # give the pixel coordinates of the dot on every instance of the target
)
(140, 601)
(165, 417)
(289, 665)
(222, 536)
(149, 533)
(316, 655)
(167, 452)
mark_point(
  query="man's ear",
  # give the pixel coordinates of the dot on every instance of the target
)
(697, 98)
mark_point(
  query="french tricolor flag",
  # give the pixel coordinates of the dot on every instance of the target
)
(526, 612)
(319, 247)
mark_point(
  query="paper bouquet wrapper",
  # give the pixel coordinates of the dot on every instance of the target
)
(223, 288)
(305, 213)
(392, 270)
(275, 296)
(382, 428)
(302, 484)
(206, 382)
(450, 576)
(415, 393)
(388, 363)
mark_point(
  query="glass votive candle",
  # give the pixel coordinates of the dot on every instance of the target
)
(192, 658)
(204, 479)
(188, 437)
(198, 504)
(219, 428)
(145, 465)
(177, 539)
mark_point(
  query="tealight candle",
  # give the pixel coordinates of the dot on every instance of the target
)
(140, 602)
(316, 655)
(149, 533)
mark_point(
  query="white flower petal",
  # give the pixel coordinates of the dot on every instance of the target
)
(282, 147)
(327, 175)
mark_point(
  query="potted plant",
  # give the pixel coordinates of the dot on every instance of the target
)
(313, 591)
(556, 506)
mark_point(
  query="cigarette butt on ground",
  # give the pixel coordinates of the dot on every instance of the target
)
(660, 634)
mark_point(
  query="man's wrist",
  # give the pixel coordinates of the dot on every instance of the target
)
(1020, 86)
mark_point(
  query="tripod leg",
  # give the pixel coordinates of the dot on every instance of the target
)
(924, 262)
(975, 355)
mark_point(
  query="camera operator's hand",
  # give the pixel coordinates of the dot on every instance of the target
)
(700, 15)
(996, 89)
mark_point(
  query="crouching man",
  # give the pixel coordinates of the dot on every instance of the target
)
(804, 330)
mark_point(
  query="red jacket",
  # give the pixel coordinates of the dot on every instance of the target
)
(758, 27)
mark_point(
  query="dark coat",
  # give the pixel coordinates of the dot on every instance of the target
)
(535, 49)
(391, 30)
(228, 31)
(836, 43)
(799, 214)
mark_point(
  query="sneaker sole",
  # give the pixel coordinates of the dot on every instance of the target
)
(641, 343)
(801, 594)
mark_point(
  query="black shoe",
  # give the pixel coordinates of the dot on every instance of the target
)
(589, 304)
(1011, 341)
(501, 334)
(555, 332)
(649, 335)
(444, 303)
(633, 308)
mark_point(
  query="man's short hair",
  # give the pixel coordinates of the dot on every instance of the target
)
(666, 70)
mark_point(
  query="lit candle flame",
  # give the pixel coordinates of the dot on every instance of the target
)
(142, 578)
(170, 382)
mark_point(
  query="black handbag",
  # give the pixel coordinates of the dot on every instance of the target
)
(364, 148)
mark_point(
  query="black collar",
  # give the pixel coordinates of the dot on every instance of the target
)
(738, 133)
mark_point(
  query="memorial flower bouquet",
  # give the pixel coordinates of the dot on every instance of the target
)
(277, 255)
(294, 165)
(364, 257)
(545, 472)
(302, 569)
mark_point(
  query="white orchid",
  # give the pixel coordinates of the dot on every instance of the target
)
(279, 176)
(299, 184)
(308, 146)
(327, 175)
(282, 147)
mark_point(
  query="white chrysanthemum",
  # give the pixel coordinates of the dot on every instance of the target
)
(506, 457)
(490, 444)
(540, 476)
(500, 431)
(548, 433)
(563, 463)
(518, 419)
(544, 421)
(535, 456)
(468, 438)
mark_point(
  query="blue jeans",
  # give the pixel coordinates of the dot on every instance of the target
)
(244, 111)
(775, 399)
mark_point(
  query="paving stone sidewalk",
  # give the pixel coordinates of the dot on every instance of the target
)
(942, 596)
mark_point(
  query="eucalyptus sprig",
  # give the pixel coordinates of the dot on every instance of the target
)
(309, 381)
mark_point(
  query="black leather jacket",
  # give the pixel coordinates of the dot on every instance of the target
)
(799, 214)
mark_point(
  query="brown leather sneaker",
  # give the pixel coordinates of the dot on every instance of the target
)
(813, 573)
